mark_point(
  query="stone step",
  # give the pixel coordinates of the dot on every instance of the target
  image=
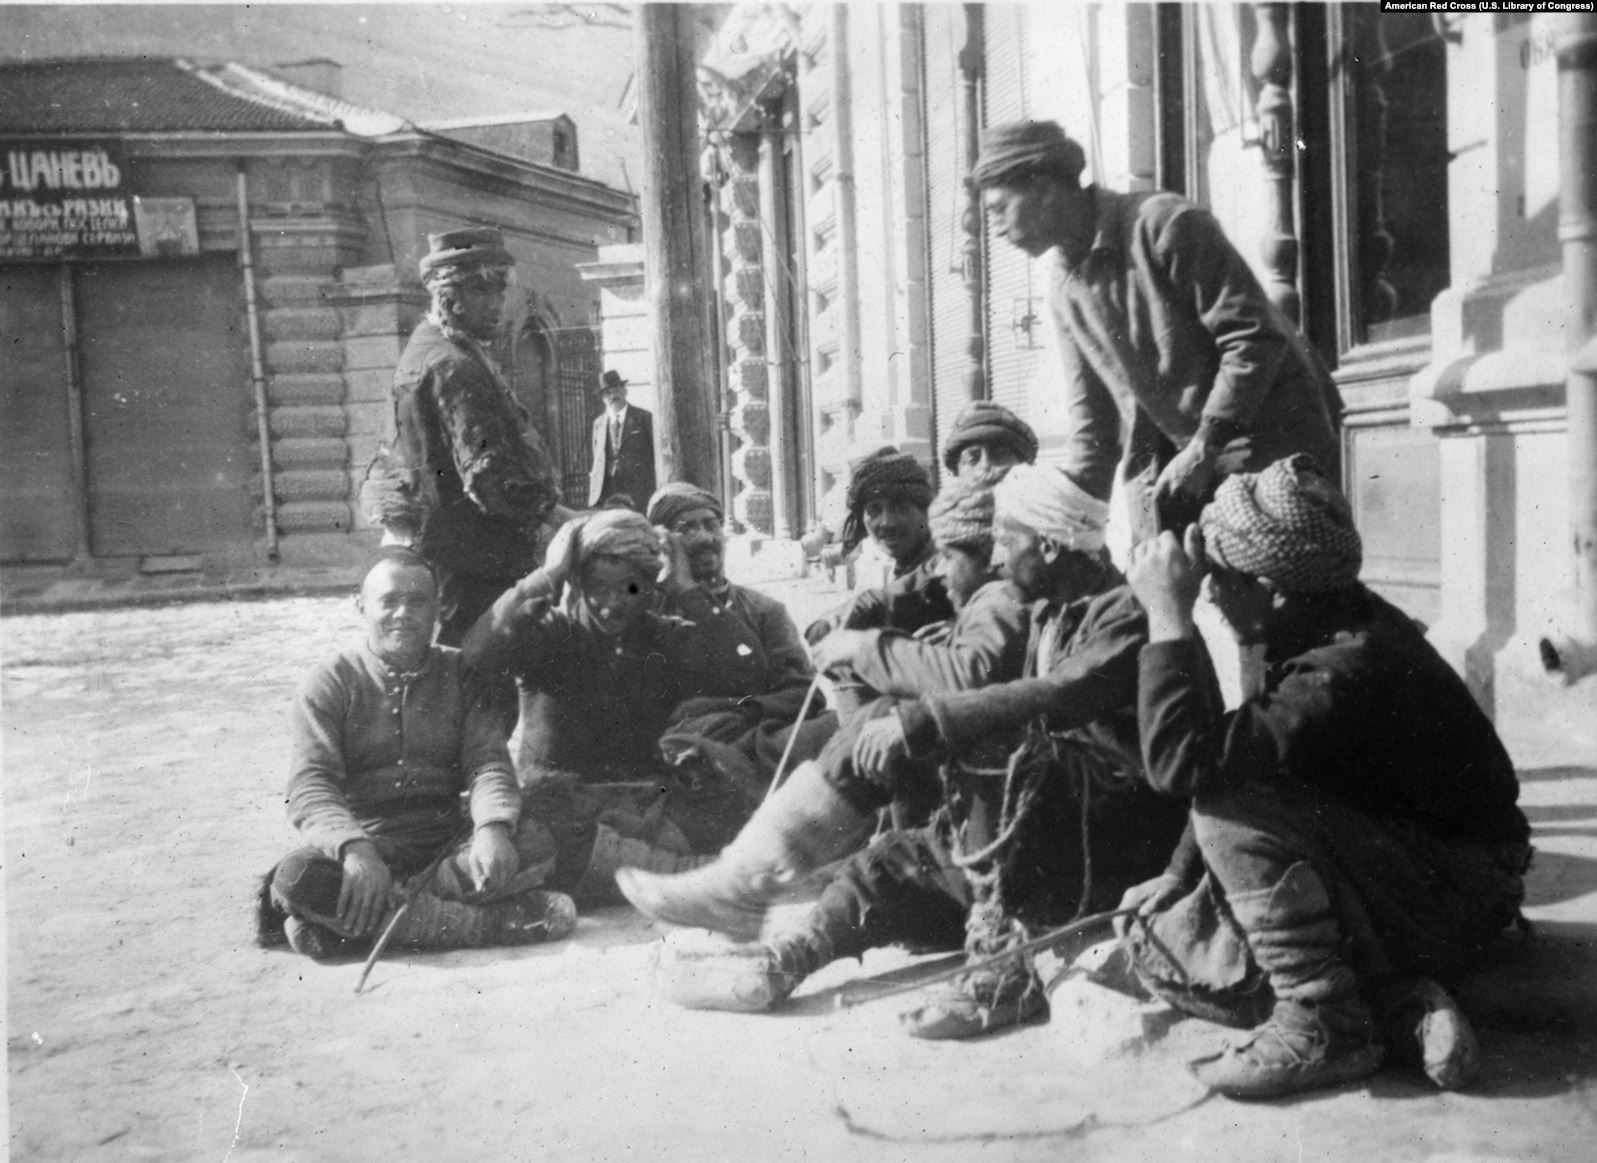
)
(283, 323)
(315, 517)
(304, 355)
(305, 388)
(291, 290)
(307, 484)
(308, 420)
(291, 452)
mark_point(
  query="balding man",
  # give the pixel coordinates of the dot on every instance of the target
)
(1007, 859)
(386, 737)
(1169, 345)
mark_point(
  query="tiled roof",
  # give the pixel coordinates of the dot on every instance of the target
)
(153, 95)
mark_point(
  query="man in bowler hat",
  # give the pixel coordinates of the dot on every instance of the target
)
(623, 448)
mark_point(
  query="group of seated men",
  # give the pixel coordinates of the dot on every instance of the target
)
(1019, 736)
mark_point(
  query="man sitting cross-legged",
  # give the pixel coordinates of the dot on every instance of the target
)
(387, 737)
(600, 674)
(1029, 765)
(1355, 839)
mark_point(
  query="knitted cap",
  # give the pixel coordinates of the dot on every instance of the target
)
(984, 422)
(1017, 151)
(886, 474)
(677, 498)
(1287, 523)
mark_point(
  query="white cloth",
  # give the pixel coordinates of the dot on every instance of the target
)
(1044, 498)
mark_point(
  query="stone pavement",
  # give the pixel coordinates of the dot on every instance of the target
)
(144, 759)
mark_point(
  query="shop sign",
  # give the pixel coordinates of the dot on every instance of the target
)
(65, 198)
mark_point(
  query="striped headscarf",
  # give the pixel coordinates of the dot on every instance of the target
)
(1287, 523)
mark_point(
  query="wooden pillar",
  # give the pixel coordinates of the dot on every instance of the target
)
(673, 246)
(971, 61)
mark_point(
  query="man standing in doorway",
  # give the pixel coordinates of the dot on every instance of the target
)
(623, 449)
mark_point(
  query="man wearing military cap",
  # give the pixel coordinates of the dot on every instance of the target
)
(468, 483)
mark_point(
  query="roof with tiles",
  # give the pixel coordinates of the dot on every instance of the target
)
(171, 95)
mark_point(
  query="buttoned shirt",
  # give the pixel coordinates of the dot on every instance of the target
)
(368, 738)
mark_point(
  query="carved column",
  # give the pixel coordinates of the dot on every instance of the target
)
(748, 380)
(1272, 68)
(971, 57)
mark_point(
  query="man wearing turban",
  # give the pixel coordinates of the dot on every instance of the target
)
(1024, 764)
(747, 667)
(1173, 361)
(469, 482)
(888, 493)
(600, 673)
(987, 437)
(1355, 842)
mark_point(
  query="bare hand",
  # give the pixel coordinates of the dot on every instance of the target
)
(363, 897)
(560, 560)
(880, 742)
(492, 859)
(1187, 480)
(676, 574)
(840, 648)
(1149, 897)
(1166, 577)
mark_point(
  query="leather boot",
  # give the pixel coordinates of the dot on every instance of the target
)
(1424, 1027)
(805, 823)
(1320, 1033)
(612, 852)
(987, 999)
(745, 979)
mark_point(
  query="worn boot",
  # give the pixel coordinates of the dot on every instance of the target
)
(320, 943)
(987, 999)
(803, 824)
(528, 918)
(746, 979)
(1424, 1027)
(1321, 1032)
(612, 852)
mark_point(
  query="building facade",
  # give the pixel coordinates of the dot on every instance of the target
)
(200, 353)
(1410, 186)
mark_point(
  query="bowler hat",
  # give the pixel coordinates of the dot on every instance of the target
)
(612, 380)
(479, 246)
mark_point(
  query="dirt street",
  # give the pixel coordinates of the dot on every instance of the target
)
(145, 756)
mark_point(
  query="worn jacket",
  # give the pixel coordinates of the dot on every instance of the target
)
(743, 657)
(631, 471)
(1359, 705)
(1088, 686)
(986, 643)
(367, 738)
(1162, 324)
(465, 449)
(915, 597)
(593, 706)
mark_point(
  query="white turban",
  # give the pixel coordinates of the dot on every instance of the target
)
(1044, 498)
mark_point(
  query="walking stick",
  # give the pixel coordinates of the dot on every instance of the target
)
(411, 893)
(792, 736)
(847, 1000)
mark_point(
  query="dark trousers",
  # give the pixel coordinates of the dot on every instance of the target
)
(1404, 901)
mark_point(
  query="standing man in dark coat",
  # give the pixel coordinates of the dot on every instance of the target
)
(623, 448)
(469, 482)
(1174, 362)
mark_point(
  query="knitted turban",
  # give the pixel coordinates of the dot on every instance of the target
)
(673, 500)
(886, 475)
(619, 533)
(1287, 523)
(984, 422)
(1045, 499)
(1017, 151)
(962, 514)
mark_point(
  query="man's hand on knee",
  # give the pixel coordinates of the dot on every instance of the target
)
(363, 897)
(493, 860)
